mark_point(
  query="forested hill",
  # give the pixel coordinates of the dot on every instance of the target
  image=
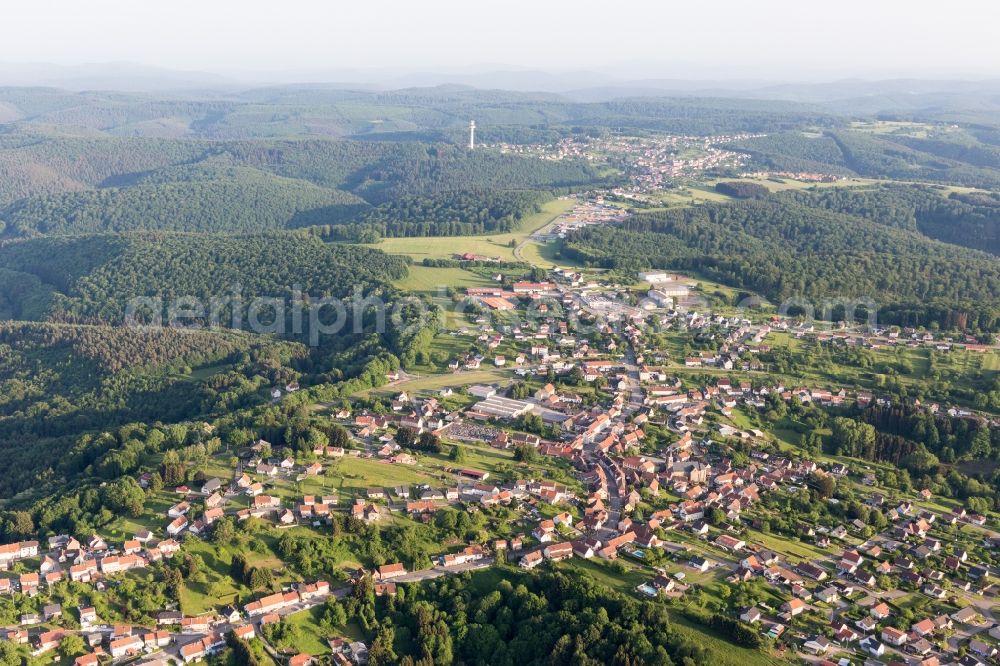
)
(37, 164)
(92, 278)
(380, 171)
(784, 250)
(104, 350)
(78, 369)
(237, 199)
(971, 219)
(58, 381)
(415, 114)
(59, 185)
(951, 156)
(440, 214)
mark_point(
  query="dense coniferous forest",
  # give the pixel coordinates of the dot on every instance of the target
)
(871, 155)
(238, 200)
(785, 250)
(383, 171)
(58, 381)
(498, 210)
(438, 111)
(742, 189)
(925, 445)
(796, 151)
(960, 146)
(968, 219)
(93, 278)
(68, 186)
(37, 164)
(110, 350)
(459, 213)
(956, 158)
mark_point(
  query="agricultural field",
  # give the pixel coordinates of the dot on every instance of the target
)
(493, 245)
(905, 127)
(698, 192)
(435, 280)
(545, 255)
(452, 380)
(778, 184)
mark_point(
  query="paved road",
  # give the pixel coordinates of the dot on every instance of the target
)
(614, 507)
(438, 571)
(636, 395)
(517, 250)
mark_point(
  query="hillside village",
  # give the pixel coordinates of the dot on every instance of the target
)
(421, 335)
(617, 458)
(650, 163)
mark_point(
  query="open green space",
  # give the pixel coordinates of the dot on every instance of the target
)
(492, 245)
(433, 280)
(447, 380)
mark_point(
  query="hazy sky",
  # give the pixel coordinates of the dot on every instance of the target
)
(766, 39)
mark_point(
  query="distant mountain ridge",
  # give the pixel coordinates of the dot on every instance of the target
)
(570, 85)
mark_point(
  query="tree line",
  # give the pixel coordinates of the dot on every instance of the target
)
(456, 213)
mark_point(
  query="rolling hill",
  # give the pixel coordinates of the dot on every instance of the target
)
(59, 185)
(58, 381)
(92, 278)
(950, 156)
(786, 250)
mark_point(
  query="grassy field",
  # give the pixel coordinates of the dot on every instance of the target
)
(781, 544)
(546, 255)
(493, 245)
(601, 572)
(447, 380)
(476, 457)
(782, 184)
(695, 193)
(310, 640)
(357, 474)
(909, 128)
(723, 652)
(154, 518)
(218, 587)
(351, 476)
(432, 280)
